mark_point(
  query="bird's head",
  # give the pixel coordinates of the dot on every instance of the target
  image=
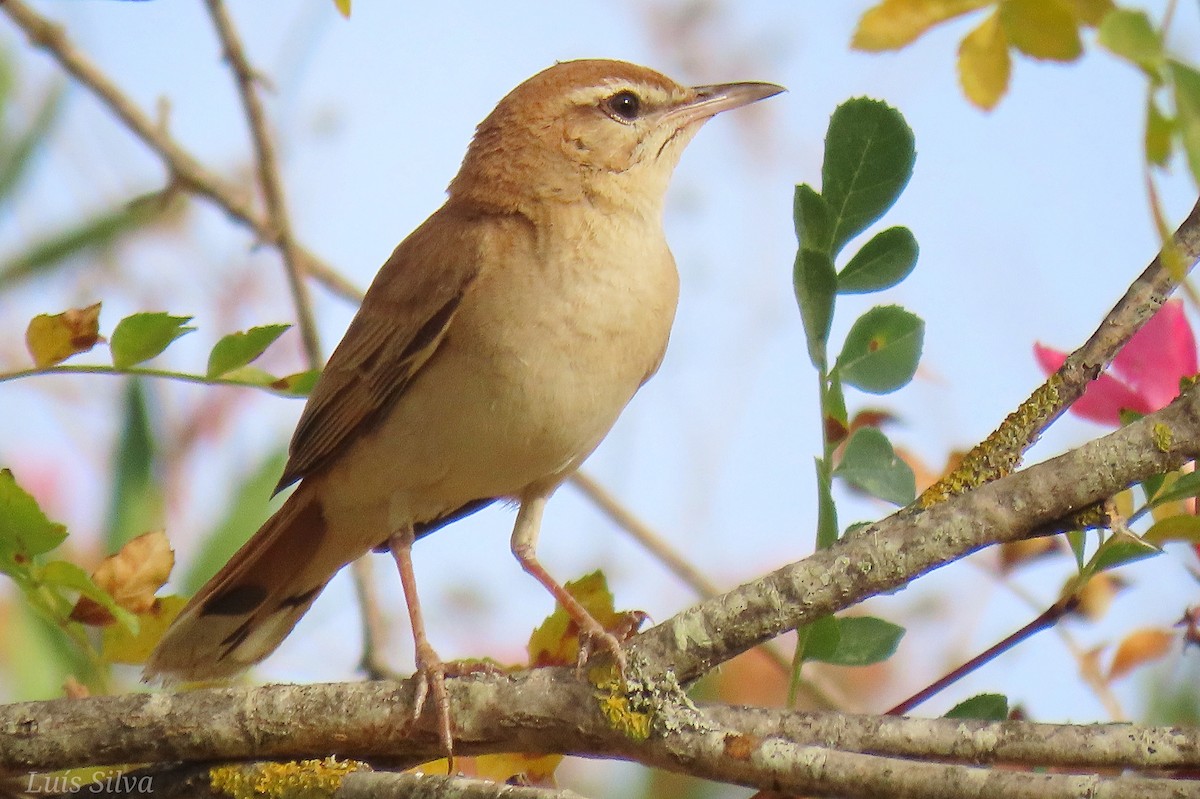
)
(605, 132)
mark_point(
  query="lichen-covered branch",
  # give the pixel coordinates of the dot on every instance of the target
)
(894, 551)
(1001, 452)
(550, 710)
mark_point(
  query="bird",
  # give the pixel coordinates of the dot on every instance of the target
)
(492, 353)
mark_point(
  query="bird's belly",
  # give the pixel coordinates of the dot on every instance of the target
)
(512, 402)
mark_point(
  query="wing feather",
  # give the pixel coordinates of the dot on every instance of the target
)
(403, 318)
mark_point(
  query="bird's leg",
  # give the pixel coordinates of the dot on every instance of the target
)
(430, 668)
(524, 546)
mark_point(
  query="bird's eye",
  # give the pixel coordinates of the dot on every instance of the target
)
(624, 106)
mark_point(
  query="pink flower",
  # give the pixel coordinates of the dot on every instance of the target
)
(1144, 376)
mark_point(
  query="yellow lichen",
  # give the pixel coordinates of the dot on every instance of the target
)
(1000, 453)
(621, 701)
(1163, 437)
(306, 779)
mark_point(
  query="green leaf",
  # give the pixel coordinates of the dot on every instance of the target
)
(815, 282)
(1077, 539)
(62, 574)
(882, 350)
(1152, 485)
(243, 515)
(869, 156)
(25, 532)
(91, 235)
(1174, 528)
(137, 504)
(860, 641)
(297, 385)
(1130, 35)
(1159, 130)
(1187, 105)
(238, 349)
(1120, 549)
(821, 638)
(834, 402)
(811, 214)
(884, 261)
(17, 157)
(142, 336)
(870, 464)
(44, 655)
(1042, 28)
(827, 523)
(985, 707)
(1186, 486)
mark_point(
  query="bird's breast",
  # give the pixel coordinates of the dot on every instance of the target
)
(545, 350)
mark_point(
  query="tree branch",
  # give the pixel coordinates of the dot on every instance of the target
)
(1002, 451)
(268, 177)
(894, 551)
(550, 710)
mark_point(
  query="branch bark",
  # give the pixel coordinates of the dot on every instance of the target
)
(552, 711)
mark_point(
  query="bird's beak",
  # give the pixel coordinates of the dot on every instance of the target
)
(712, 100)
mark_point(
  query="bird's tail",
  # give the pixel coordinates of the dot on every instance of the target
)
(246, 610)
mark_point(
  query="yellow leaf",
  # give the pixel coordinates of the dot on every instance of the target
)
(1097, 594)
(52, 339)
(1042, 28)
(343, 7)
(118, 646)
(131, 577)
(894, 23)
(531, 769)
(556, 641)
(1159, 130)
(1183, 527)
(1140, 648)
(1091, 12)
(984, 64)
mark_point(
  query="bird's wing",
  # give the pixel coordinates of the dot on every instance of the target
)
(403, 318)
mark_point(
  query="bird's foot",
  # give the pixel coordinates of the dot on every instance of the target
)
(431, 682)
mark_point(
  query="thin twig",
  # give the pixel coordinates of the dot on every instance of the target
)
(268, 177)
(184, 169)
(639, 531)
(1045, 620)
(374, 630)
(1001, 452)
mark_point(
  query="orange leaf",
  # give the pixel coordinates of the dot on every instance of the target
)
(984, 64)
(52, 339)
(895, 23)
(1140, 648)
(1015, 553)
(530, 769)
(131, 576)
(343, 7)
(1097, 595)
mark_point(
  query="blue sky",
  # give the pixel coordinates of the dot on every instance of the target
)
(1031, 220)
